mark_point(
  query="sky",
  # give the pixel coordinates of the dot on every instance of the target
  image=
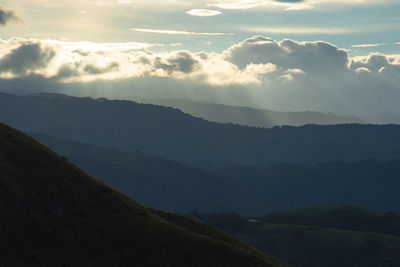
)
(335, 56)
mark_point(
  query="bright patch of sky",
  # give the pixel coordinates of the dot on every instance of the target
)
(360, 26)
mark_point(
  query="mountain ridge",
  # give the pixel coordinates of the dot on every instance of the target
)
(172, 134)
(249, 116)
(245, 189)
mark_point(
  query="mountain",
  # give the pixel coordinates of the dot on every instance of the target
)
(250, 116)
(153, 181)
(54, 214)
(327, 236)
(172, 134)
(248, 190)
(369, 183)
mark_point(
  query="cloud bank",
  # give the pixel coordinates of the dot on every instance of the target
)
(259, 71)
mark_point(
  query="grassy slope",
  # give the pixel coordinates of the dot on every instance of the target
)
(53, 214)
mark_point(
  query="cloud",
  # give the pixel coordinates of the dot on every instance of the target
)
(259, 71)
(203, 12)
(177, 32)
(325, 78)
(22, 57)
(289, 54)
(367, 45)
(239, 5)
(376, 63)
(69, 62)
(299, 30)
(177, 62)
(6, 16)
(289, 5)
(94, 70)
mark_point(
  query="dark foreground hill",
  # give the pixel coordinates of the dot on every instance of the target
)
(172, 134)
(319, 237)
(250, 116)
(249, 190)
(53, 214)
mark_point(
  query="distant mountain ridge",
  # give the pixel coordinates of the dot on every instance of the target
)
(250, 116)
(172, 134)
(54, 214)
(247, 190)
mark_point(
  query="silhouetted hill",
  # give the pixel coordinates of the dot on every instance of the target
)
(53, 214)
(319, 237)
(250, 116)
(248, 190)
(172, 134)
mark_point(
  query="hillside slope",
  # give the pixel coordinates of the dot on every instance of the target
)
(53, 214)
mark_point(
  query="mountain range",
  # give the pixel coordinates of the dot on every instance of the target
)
(250, 116)
(245, 189)
(172, 134)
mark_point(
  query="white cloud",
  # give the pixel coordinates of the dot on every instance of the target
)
(298, 30)
(311, 57)
(84, 61)
(367, 45)
(250, 4)
(203, 12)
(178, 32)
(246, 4)
(289, 5)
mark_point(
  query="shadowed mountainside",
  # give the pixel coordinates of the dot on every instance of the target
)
(53, 214)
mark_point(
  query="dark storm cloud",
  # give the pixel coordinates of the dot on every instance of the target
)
(6, 16)
(93, 70)
(28, 56)
(179, 62)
